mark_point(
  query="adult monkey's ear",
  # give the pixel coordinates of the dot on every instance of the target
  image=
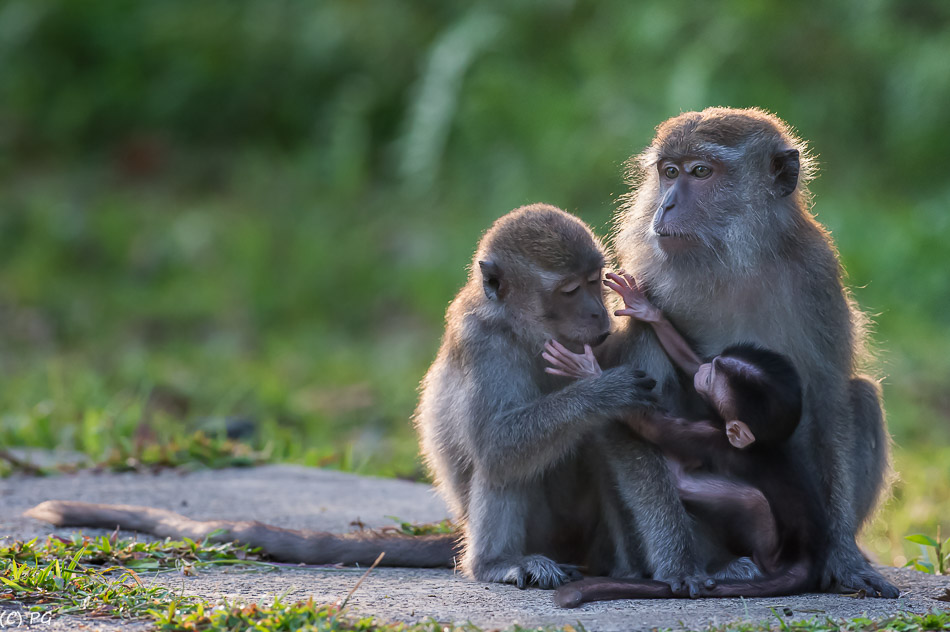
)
(493, 280)
(739, 434)
(784, 170)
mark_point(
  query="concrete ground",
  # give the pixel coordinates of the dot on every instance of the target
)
(299, 497)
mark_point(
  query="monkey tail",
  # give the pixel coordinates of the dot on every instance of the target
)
(608, 589)
(285, 545)
(793, 579)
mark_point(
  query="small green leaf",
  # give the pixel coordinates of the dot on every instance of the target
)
(924, 567)
(921, 539)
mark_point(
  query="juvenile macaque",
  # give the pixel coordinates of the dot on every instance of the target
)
(511, 448)
(734, 471)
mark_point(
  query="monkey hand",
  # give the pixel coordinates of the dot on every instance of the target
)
(637, 386)
(848, 571)
(638, 306)
(569, 364)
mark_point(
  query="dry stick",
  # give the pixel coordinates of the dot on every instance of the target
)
(342, 604)
(15, 461)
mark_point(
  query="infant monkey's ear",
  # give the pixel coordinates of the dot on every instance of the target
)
(739, 434)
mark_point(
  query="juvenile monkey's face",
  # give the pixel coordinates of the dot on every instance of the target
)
(574, 310)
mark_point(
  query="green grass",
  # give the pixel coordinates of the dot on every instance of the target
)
(101, 577)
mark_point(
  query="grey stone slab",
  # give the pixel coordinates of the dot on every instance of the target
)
(300, 497)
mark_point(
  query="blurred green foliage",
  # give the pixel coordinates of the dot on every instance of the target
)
(258, 210)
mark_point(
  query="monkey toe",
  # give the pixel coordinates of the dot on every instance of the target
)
(544, 573)
(856, 576)
(873, 585)
(532, 570)
(689, 585)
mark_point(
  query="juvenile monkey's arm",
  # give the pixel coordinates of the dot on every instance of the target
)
(638, 306)
(519, 431)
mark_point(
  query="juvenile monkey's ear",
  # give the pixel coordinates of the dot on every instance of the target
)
(739, 434)
(784, 170)
(492, 280)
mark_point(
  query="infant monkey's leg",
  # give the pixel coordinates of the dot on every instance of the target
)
(740, 510)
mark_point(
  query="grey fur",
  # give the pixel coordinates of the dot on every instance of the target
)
(765, 272)
(504, 440)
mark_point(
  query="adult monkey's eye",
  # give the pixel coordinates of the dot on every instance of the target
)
(570, 290)
(671, 172)
(701, 171)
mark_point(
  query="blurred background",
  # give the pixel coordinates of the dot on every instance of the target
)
(248, 217)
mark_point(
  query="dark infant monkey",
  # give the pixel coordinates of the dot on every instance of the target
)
(735, 471)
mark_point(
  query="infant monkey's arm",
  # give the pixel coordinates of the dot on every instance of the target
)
(638, 306)
(565, 362)
(682, 439)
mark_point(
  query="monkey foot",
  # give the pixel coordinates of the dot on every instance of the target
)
(853, 573)
(692, 585)
(530, 570)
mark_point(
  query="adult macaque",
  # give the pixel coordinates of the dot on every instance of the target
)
(720, 233)
(735, 472)
(505, 441)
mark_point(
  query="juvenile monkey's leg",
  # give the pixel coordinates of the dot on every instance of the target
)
(662, 525)
(495, 542)
(620, 550)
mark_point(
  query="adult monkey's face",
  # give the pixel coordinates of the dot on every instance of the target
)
(685, 184)
(718, 185)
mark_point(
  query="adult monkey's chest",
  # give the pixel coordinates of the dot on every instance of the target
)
(715, 315)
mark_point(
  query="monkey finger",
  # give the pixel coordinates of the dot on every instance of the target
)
(554, 371)
(559, 351)
(565, 364)
(616, 278)
(613, 286)
(624, 292)
(565, 354)
(556, 362)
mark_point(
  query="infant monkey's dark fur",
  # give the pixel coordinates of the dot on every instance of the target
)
(752, 486)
